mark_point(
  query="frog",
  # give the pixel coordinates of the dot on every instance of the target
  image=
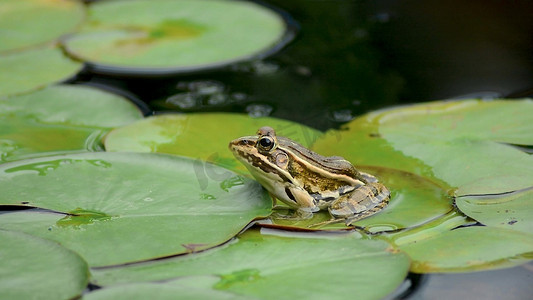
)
(308, 182)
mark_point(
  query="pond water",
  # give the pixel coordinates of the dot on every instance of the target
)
(351, 57)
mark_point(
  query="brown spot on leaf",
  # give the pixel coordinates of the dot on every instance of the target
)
(392, 250)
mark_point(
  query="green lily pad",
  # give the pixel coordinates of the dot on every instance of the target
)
(175, 289)
(414, 201)
(511, 211)
(377, 151)
(203, 136)
(469, 249)
(463, 143)
(30, 70)
(60, 119)
(32, 22)
(502, 121)
(34, 268)
(343, 265)
(442, 224)
(173, 36)
(125, 207)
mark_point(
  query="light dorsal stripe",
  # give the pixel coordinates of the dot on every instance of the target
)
(320, 168)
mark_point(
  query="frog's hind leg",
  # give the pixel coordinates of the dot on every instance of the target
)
(361, 203)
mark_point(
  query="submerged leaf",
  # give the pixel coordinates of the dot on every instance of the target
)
(128, 207)
(34, 268)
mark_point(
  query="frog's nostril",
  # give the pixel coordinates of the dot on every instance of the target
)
(245, 142)
(241, 142)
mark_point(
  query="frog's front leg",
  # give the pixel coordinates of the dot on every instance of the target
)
(360, 203)
(301, 201)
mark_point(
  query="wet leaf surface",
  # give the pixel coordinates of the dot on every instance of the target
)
(124, 36)
(60, 119)
(512, 211)
(33, 22)
(26, 71)
(253, 265)
(34, 268)
(118, 201)
(201, 136)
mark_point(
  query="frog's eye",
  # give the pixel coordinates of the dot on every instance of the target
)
(265, 143)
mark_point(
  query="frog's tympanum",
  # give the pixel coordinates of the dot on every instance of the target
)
(307, 181)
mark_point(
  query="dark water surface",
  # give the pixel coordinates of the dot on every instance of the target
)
(351, 57)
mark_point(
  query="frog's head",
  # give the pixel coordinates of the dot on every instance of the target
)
(260, 153)
(267, 162)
